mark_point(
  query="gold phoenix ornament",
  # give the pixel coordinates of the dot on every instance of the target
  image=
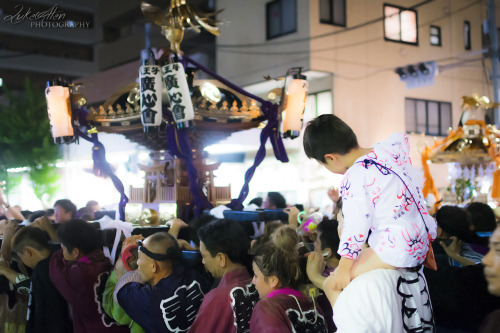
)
(179, 16)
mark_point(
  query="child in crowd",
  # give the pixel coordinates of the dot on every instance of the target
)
(454, 232)
(282, 308)
(382, 200)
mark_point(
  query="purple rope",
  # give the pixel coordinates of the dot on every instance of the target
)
(101, 165)
(271, 131)
(178, 145)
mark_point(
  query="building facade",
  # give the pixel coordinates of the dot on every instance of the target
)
(354, 50)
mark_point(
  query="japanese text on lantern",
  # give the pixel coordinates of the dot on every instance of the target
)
(171, 73)
(150, 82)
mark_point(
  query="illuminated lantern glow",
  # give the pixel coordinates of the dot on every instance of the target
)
(294, 105)
(178, 93)
(59, 111)
(150, 81)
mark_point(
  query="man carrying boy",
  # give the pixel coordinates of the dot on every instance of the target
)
(382, 202)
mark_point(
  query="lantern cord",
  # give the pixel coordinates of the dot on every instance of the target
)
(270, 131)
(101, 165)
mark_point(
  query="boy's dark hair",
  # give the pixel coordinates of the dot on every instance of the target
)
(455, 221)
(225, 236)
(79, 234)
(67, 205)
(329, 235)
(276, 199)
(328, 134)
(36, 214)
(272, 260)
(49, 212)
(483, 217)
(26, 213)
(257, 201)
(30, 236)
(300, 207)
(196, 224)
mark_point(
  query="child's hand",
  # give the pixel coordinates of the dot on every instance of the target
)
(333, 194)
(341, 278)
(292, 216)
(132, 240)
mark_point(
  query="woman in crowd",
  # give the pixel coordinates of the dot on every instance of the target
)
(282, 308)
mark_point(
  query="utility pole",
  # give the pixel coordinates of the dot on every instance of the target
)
(492, 27)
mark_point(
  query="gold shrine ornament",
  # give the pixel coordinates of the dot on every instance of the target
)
(179, 16)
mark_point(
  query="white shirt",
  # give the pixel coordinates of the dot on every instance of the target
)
(383, 301)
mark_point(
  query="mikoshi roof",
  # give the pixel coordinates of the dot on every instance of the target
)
(472, 142)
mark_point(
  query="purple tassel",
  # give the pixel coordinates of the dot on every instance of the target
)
(271, 131)
(101, 166)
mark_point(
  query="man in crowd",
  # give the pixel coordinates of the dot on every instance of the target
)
(64, 210)
(80, 271)
(274, 200)
(492, 273)
(228, 308)
(31, 245)
(162, 295)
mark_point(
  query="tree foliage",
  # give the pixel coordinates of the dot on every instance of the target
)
(26, 141)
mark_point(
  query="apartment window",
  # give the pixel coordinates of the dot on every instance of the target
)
(467, 44)
(400, 25)
(435, 35)
(281, 18)
(332, 12)
(429, 117)
(317, 104)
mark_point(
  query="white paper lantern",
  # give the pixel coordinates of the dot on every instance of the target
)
(294, 105)
(178, 93)
(151, 84)
(59, 111)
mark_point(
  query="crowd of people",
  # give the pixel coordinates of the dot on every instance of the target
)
(381, 262)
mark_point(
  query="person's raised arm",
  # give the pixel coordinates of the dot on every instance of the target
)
(12, 211)
(453, 251)
(175, 226)
(44, 224)
(292, 212)
(10, 230)
(314, 268)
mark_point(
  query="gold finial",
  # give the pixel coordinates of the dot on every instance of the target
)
(244, 106)
(235, 108)
(224, 107)
(102, 112)
(111, 111)
(129, 110)
(119, 110)
(213, 106)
